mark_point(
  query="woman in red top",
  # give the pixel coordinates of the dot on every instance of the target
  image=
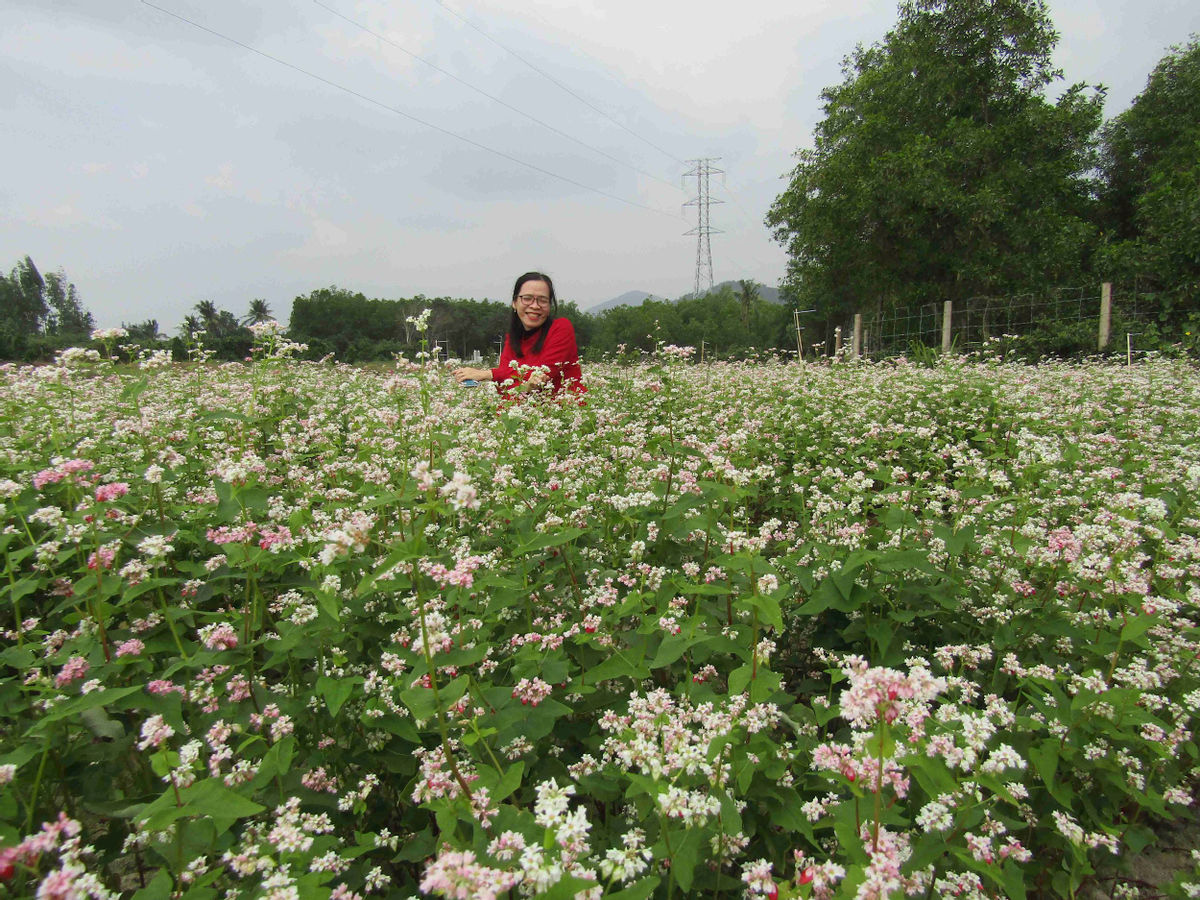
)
(539, 349)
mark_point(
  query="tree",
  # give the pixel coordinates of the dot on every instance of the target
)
(66, 317)
(1150, 161)
(747, 295)
(144, 332)
(260, 311)
(940, 171)
(24, 311)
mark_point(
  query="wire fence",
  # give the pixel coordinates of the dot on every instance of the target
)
(1065, 313)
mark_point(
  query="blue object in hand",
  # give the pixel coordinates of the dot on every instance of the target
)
(469, 382)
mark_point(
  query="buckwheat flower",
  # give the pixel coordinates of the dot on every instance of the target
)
(112, 491)
(457, 874)
(8, 771)
(1003, 757)
(756, 876)
(219, 636)
(154, 732)
(131, 647)
(507, 846)
(1068, 827)
(768, 584)
(1177, 795)
(551, 805)
(937, 815)
(376, 880)
(531, 691)
(74, 669)
(460, 491)
(102, 559)
(155, 546)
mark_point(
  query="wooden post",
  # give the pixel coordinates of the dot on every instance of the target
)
(947, 319)
(799, 342)
(837, 341)
(1105, 315)
(856, 341)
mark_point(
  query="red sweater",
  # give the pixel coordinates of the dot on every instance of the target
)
(558, 353)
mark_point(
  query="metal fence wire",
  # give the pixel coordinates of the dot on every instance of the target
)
(978, 320)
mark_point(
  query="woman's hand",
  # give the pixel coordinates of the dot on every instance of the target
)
(538, 378)
(463, 373)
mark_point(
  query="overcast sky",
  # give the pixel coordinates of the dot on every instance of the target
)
(160, 164)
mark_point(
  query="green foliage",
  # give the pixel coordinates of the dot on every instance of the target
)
(353, 327)
(1151, 192)
(725, 322)
(39, 314)
(940, 170)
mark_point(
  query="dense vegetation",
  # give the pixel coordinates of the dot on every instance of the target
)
(298, 630)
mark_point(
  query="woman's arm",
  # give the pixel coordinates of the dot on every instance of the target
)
(463, 373)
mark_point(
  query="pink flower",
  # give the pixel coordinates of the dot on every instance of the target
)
(113, 491)
(455, 874)
(131, 647)
(102, 558)
(531, 692)
(221, 636)
(162, 686)
(155, 731)
(75, 669)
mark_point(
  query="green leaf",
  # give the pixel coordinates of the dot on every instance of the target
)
(337, 691)
(739, 678)
(222, 805)
(159, 887)
(673, 647)
(685, 854)
(1045, 759)
(553, 539)
(639, 890)
(81, 704)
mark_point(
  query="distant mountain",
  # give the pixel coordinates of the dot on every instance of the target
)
(635, 298)
(770, 294)
(629, 298)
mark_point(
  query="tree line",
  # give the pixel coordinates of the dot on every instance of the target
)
(942, 171)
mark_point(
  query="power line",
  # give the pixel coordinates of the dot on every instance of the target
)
(491, 97)
(400, 112)
(555, 81)
(746, 215)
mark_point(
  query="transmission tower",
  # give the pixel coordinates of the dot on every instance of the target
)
(701, 171)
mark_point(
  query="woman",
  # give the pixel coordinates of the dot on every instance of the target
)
(539, 349)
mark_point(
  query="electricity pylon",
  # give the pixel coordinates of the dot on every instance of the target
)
(701, 171)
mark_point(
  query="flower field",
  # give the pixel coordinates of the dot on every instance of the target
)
(300, 630)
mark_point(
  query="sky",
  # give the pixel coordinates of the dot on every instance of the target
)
(439, 147)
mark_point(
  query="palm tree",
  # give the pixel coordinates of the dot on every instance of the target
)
(207, 311)
(747, 295)
(191, 324)
(260, 311)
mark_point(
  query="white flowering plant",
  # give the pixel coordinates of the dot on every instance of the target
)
(739, 629)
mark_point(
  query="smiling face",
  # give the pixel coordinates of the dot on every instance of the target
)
(532, 304)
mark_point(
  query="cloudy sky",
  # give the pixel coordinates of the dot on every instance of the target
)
(438, 147)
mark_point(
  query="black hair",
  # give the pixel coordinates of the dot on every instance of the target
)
(516, 331)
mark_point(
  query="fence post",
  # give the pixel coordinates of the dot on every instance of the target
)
(856, 341)
(837, 342)
(947, 317)
(1105, 314)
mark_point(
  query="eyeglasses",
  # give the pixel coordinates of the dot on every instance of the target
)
(533, 299)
